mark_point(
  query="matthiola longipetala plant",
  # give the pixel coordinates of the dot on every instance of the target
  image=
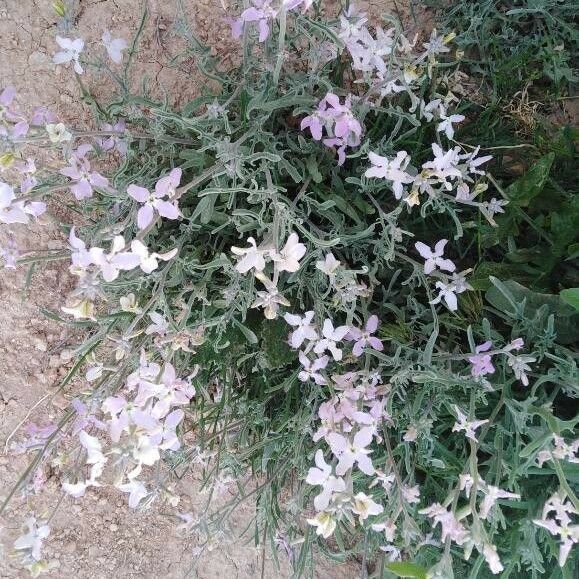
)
(285, 279)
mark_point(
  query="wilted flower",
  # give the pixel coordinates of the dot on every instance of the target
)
(31, 542)
(57, 133)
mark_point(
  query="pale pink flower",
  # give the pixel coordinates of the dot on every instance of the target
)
(482, 363)
(80, 171)
(364, 338)
(311, 369)
(350, 451)
(261, 13)
(330, 337)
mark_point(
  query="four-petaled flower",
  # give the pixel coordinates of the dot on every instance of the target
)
(80, 171)
(392, 170)
(70, 52)
(159, 201)
(350, 451)
(364, 337)
(482, 363)
(303, 328)
(434, 259)
(330, 336)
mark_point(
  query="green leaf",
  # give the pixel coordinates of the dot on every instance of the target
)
(509, 295)
(249, 335)
(571, 296)
(407, 570)
(531, 183)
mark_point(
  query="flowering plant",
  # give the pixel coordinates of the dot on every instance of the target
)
(256, 304)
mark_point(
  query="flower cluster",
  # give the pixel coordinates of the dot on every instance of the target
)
(263, 13)
(338, 122)
(142, 423)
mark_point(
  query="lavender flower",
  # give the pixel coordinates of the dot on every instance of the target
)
(364, 338)
(481, 363)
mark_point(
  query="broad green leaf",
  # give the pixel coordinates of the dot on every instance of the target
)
(531, 183)
(506, 296)
(571, 296)
(407, 570)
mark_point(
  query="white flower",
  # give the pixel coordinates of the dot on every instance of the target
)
(365, 506)
(392, 170)
(311, 369)
(288, 259)
(71, 50)
(253, 258)
(325, 524)
(149, 261)
(329, 265)
(137, 492)
(446, 125)
(492, 494)
(31, 542)
(57, 133)
(434, 259)
(389, 529)
(116, 260)
(492, 558)
(114, 46)
(469, 426)
(330, 337)
(322, 476)
(303, 328)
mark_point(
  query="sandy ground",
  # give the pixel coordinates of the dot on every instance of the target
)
(97, 536)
